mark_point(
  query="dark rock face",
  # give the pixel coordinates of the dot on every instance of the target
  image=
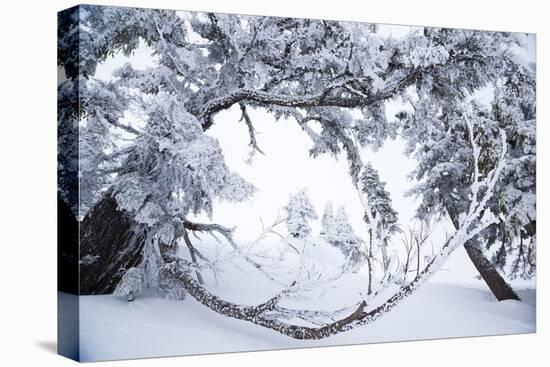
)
(67, 249)
(110, 243)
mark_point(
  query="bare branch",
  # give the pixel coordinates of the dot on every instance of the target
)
(228, 234)
(251, 131)
(193, 253)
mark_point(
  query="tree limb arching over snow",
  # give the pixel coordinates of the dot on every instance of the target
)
(267, 313)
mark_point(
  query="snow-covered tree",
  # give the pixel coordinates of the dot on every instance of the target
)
(337, 230)
(344, 234)
(173, 170)
(328, 230)
(331, 78)
(99, 130)
(130, 285)
(439, 128)
(345, 238)
(381, 211)
(442, 140)
(515, 235)
(299, 212)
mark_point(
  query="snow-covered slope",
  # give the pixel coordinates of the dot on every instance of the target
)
(147, 327)
(113, 329)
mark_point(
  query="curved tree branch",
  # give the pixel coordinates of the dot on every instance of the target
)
(268, 314)
(348, 96)
(324, 98)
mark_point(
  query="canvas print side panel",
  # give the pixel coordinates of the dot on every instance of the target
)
(67, 185)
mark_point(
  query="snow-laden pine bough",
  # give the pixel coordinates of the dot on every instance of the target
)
(271, 315)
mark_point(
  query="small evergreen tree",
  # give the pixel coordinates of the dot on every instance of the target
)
(299, 212)
(381, 210)
(130, 285)
(328, 230)
(345, 239)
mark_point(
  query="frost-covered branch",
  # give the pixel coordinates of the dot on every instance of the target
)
(271, 230)
(193, 253)
(251, 131)
(228, 234)
(323, 98)
(350, 146)
(477, 207)
(413, 241)
(269, 315)
(127, 128)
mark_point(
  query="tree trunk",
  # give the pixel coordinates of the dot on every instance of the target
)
(110, 243)
(488, 272)
(385, 257)
(369, 263)
(496, 283)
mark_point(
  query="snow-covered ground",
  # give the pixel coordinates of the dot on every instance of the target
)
(148, 327)
(152, 327)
